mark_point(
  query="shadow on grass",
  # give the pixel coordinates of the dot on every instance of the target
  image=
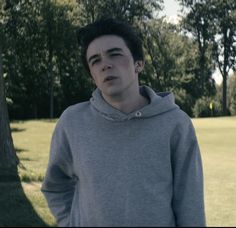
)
(16, 129)
(16, 210)
(49, 120)
(19, 150)
(26, 159)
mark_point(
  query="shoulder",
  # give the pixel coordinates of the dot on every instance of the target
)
(183, 128)
(181, 117)
(181, 124)
(73, 114)
(176, 117)
(74, 110)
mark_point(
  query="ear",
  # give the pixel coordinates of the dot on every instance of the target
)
(139, 66)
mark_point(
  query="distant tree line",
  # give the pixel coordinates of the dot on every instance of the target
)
(212, 106)
(43, 74)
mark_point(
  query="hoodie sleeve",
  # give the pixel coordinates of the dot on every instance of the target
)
(188, 192)
(59, 183)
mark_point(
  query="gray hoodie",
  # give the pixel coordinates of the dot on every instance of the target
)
(108, 168)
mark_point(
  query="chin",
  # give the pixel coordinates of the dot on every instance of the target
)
(112, 92)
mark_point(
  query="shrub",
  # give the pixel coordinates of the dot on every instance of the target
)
(184, 100)
(206, 107)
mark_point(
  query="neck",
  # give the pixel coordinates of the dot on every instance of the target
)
(127, 103)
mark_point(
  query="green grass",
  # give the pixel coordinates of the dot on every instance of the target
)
(217, 139)
(32, 142)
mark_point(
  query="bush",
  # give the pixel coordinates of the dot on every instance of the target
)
(184, 100)
(233, 109)
(206, 107)
(232, 95)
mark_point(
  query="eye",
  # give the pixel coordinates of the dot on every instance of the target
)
(95, 61)
(115, 54)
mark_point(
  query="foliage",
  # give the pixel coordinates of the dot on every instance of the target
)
(43, 73)
(232, 94)
(213, 25)
(202, 108)
(198, 24)
(184, 100)
(224, 43)
(129, 10)
(207, 107)
(173, 60)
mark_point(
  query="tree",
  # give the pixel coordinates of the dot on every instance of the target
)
(43, 73)
(172, 62)
(232, 94)
(61, 50)
(13, 209)
(9, 160)
(130, 10)
(224, 40)
(197, 22)
(42, 54)
(24, 69)
(213, 24)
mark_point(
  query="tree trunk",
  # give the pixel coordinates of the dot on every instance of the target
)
(8, 158)
(224, 104)
(51, 77)
(225, 72)
(49, 18)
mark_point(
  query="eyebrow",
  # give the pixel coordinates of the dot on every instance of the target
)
(115, 49)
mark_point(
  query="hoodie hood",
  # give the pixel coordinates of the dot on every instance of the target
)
(158, 103)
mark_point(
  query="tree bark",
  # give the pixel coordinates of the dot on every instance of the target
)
(225, 72)
(51, 86)
(8, 157)
(224, 95)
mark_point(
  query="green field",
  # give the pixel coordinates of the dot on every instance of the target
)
(217, 139)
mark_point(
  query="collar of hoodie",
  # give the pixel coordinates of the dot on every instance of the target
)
(158, 103)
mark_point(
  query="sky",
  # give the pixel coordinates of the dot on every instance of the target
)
(171, 7)
(171, 10)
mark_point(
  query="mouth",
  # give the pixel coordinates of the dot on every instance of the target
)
(109, 78)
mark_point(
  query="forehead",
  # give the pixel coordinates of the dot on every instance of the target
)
(104, 43)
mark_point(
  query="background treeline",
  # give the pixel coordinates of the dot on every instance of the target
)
(43, 73)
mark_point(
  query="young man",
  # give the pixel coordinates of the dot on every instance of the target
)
(129, 156)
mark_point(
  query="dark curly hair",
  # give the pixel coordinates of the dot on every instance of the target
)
(109, 26)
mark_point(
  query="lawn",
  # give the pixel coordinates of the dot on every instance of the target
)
(217, 139)
(32, 142)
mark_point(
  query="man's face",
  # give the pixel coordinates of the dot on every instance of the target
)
(112, 66)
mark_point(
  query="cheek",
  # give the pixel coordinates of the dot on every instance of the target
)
(126, 63)
(93, 74)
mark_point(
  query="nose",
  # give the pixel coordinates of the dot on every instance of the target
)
(106, 66)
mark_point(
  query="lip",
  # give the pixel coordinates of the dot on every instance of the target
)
(109, 78)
